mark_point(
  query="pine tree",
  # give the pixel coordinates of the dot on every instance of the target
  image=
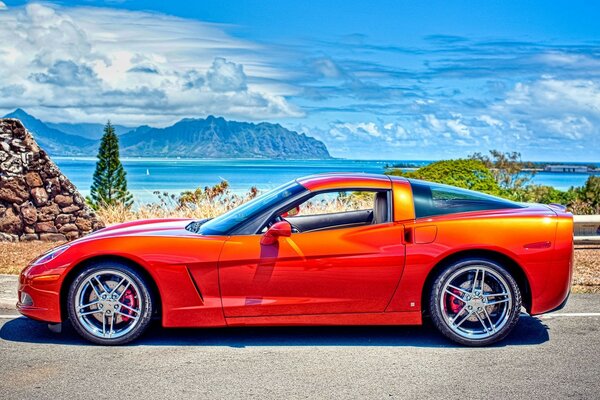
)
(109, 186)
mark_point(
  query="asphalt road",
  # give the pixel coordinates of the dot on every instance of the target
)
(548, 357)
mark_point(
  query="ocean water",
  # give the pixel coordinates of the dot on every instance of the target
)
(146, 175)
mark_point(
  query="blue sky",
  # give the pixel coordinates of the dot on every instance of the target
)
(382, 79)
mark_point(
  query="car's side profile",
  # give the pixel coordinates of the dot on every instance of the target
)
(330, 249)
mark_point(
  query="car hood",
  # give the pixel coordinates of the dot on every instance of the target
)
(148, 227)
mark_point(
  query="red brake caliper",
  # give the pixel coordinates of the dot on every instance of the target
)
(455, 304)
(129, 300)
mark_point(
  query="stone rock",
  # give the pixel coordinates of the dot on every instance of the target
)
(47, 226)
(63, 201)
(71, 209)
(53, 237)
(7, 237)
(13, 191)
(63, 219)
(29, 213)
(27, 237)
(72, 235)
(36, 200)
(68, 228)
(53, 186)
(39, 195)
(11, 222)
(33, 179)
(48, 213)
(84, 224)
(12, 166)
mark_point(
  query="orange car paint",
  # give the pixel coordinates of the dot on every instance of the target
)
(372, 274)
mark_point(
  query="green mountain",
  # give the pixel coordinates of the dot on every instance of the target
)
(201, 138)
(54, 141)
(218, 138)
(87, 129)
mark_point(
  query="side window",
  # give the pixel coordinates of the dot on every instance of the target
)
(434, 199)
(339, 209)
(336, 202)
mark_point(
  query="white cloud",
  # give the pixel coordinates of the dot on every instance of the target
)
(562, 108)
(327, 68)
(433, 122)
(224, 76)
(3, 6)
(490, 120)
(458, 128)
(90, 64)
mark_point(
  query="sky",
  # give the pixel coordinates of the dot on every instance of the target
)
(373, 80)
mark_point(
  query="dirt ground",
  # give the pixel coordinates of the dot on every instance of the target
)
(586, 276)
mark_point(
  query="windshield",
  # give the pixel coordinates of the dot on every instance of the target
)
(224, 223)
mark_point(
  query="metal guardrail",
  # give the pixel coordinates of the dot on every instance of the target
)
(586, 229)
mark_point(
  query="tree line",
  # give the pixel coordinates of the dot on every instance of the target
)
(505, 174)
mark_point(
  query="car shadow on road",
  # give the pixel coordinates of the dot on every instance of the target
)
(529, 331)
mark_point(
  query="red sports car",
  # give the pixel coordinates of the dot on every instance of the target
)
(331, 249)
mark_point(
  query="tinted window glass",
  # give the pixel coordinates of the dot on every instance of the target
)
(224, 223)
(435, 199)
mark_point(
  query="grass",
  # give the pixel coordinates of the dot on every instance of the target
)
(15, 256)
(586, 274)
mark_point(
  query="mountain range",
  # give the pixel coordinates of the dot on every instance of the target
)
(210, 137)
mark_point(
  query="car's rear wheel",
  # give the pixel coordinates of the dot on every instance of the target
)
(475, 302)
(109, 303)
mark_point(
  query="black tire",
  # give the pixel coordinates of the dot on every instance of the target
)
(134, 322)
(451, 327)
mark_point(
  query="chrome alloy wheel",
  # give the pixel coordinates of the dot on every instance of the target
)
(108, 304)
(476, 302)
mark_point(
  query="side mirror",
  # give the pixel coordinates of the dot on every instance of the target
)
(278, 229)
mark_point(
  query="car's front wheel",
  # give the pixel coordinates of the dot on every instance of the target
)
(475, 302)
(109, 303)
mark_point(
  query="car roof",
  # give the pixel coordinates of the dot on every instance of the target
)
(337, 180)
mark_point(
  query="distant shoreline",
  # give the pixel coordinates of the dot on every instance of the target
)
(403, 164)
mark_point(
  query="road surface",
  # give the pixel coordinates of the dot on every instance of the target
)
(548, 357)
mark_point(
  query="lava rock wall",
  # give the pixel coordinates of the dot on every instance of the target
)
(37, 202)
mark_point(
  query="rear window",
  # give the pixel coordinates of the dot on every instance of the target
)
(436, 199)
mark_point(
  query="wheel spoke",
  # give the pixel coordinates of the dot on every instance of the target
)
(461, 290)
(104, 325)
(119, 285)
(487, 315)
(482, 323)
(135, 318)
(462, 320)
(99, 284)
(91, 283)
(455, 295)
(495, 295)
(90, 304)
(81, 314)
(124, 290)
(129, 308)
(491, 303)
(474, 284)
(112, 320)
(482, 286)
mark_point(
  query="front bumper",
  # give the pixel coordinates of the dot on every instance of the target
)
(39, 297)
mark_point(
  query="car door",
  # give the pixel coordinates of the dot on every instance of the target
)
(352, 269)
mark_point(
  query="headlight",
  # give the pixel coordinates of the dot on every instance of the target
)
(50, 255)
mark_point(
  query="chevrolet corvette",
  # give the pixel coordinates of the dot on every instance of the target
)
(329, 249)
